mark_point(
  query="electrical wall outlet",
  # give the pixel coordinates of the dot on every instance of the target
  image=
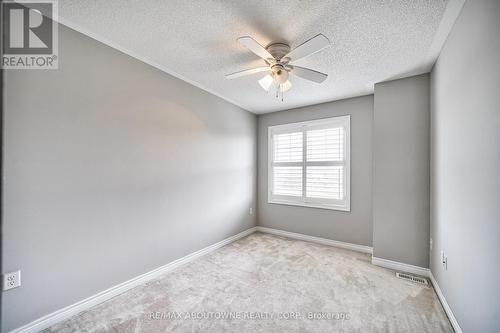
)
(430, 244)
(250, 211)
(11, 280)
(444, 260)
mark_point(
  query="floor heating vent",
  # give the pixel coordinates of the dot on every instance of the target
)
(412, 278)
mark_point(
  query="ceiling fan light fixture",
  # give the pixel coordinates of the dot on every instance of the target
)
(280, 74)
(280, 63)
(266, 82)
(286, 86)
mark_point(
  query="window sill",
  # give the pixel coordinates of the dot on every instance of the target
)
(311, 205)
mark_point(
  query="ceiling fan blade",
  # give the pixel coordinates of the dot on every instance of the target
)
(309, 74)
(255, 47)
(247, 72)
(309, 47)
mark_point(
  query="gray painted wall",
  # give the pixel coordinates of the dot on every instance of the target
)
(112, 169)
(354, 226)
(401, 170)
(465, 191)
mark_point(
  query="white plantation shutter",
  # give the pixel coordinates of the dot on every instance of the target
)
(287, 172)
(288, 147)
(309, 163)
(325, 144)
(325, 182)
(288, 180)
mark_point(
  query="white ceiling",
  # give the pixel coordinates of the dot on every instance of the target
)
(372, 41)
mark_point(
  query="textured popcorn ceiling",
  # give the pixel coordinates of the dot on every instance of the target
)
(372, 41)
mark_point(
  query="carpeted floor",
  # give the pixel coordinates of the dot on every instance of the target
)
(265, 283)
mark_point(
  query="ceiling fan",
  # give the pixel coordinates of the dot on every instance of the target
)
(279, 63)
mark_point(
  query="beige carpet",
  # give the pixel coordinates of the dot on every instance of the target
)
(265, 283)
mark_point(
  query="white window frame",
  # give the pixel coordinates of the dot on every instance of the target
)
(342, 205)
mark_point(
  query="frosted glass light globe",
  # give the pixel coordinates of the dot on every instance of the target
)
(280, 75)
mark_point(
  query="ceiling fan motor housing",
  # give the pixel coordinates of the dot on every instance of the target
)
(278, 50)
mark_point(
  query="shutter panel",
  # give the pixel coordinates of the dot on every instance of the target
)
(325, 144)
(326, 182)
(287, 181)
(288, 147)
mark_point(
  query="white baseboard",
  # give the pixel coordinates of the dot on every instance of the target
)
(71, 310)
(399, 266)
(319, 240)
(447, 309)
